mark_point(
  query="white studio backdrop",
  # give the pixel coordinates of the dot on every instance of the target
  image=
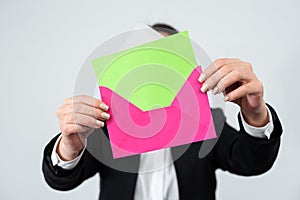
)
(44, 43)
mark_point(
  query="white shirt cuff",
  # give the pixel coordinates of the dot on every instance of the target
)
(68, 165)
(259, 132)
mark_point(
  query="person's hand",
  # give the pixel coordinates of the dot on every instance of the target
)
(237, 79)
(78, 117)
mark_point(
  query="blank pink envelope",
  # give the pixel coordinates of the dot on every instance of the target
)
(133, 131)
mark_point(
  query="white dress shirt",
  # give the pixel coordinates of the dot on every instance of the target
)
(160, 183)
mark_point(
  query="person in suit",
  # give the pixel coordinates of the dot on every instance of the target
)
(250, 151)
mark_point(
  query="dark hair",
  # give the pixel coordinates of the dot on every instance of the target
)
(161, 27)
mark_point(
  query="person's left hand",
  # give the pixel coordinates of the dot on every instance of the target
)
(237, 79)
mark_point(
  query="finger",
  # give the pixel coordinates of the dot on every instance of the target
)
(82, 99)
(228, 75)
(82, 131)
(74, 128)
(85, 120)
(231, 87)
(215, 66)
(214, 80)
(227, 81)
(87, 100)
(70, 109)
(86, 133)
(90, 111)
(241, 91)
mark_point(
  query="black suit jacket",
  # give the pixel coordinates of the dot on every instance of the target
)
(235, 151)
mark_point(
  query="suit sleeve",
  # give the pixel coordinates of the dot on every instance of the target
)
(242, 154)
(61, 179)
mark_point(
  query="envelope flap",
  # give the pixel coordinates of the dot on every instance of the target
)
(149, 76)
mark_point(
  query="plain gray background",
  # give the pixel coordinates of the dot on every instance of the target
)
(44, 43)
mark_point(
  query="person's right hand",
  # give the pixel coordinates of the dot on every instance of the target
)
(78, 117)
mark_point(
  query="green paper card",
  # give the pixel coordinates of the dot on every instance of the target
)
(150, 75)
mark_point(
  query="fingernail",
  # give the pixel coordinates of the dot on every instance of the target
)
(202, 78)
(226, 98)
(105, 115)
(99, 123)
(104, 107)
(215, 90)
(204, 87)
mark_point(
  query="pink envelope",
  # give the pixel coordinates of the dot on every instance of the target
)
(133, 131)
